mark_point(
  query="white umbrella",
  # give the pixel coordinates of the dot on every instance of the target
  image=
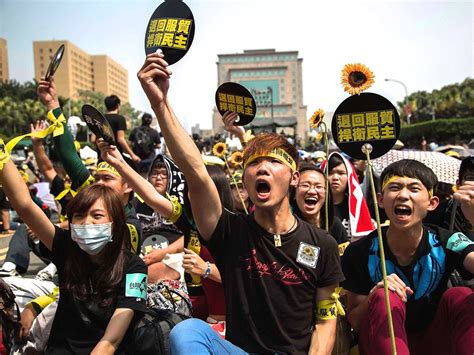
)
(445, 167)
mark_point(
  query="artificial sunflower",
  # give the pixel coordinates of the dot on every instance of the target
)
(316, 118)
(219, 149)
(237, 158)
(356, 78)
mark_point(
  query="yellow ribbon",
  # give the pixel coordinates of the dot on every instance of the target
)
(56, 128)
(66, 190)
(276, 153)
(330, 308)
(56, 123)
(4, 154)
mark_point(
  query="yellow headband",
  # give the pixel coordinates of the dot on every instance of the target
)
(276, 153)
(388, 179)
(104, 166)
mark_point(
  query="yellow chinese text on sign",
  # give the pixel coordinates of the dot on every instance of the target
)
(235, 103)
(169, 32)
(365, 126)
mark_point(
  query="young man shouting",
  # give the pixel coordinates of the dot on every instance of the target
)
(276, 269)
(427, 318)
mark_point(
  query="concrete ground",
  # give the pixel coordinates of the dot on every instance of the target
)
(35, 263)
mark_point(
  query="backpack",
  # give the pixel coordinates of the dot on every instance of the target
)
(144, 145)
(168, 304)
(151, 332)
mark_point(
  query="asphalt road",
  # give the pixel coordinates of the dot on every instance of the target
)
(35, 263)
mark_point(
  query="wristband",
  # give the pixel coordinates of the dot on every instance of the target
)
(208, 271)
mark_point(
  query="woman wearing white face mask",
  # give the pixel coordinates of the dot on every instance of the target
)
(102, 284)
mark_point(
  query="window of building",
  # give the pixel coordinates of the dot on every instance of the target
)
(41, 50)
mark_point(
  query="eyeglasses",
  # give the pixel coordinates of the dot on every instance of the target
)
(161, 173)
(306, 186)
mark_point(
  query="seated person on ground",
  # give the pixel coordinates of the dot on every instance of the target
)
(275, 268)
(427, 318)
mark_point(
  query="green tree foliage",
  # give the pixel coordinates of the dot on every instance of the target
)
(443, 131)
(20, 106)
(451, 101)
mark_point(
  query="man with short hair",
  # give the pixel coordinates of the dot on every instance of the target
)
(427, 318)
(144, 140)
(118, 124)
(276, 269)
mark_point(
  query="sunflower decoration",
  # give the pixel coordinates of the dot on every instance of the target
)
(316, 119)
(356, 78)
(237, 158)
(219, 149)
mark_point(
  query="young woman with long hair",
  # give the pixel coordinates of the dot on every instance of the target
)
(102, 284)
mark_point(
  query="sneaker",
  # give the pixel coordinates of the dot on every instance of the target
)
(43, 276)
(4, 273)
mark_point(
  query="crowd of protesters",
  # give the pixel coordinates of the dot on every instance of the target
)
(244, 248)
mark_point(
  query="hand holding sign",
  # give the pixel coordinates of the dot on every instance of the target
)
(98, 124)
(171, 29)
(55, 61)
(234, 97)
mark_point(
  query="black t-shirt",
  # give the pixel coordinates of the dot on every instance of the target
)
(118, 123)
(78, 326)
(338, 231)
(132, 220)
(271, 291)
(437, 255)
(342, 212)
(152, 223)
(442, 215)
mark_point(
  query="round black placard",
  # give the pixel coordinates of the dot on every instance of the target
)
(98, 124)
(365, 118)
(154, 241)
(55, 61)
(171, 28)
(236, 98)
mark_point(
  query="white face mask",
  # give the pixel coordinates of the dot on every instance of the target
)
(92, 238)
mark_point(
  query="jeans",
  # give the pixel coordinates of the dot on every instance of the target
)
(194, 336)
(19, 249)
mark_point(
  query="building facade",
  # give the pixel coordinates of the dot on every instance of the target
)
(80, 70)
(4, 75)
(275, 79)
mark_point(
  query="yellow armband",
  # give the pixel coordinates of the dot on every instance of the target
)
(40, 303)
(343, 247)
(133, 237)
(177, 208)
(90, 180)
(329, 309)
